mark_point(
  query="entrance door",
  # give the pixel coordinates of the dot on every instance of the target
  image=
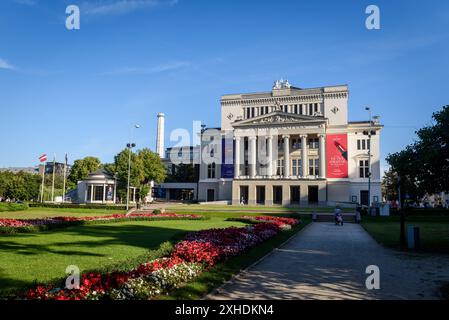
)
(210, 195)
(244, 194)
(277, 194)
(313, 194)
(364, 197)
(260, 194)
(295, 194)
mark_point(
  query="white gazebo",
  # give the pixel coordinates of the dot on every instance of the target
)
(98, 188)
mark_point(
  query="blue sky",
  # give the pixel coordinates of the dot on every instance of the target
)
(81, 91)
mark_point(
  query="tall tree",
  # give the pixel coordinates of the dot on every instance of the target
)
(81, 169)
(153, 168)
(121, 167)
(423, 167)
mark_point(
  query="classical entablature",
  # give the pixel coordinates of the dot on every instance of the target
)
(281, 119)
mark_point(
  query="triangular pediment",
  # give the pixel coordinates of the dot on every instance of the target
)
(279, 117)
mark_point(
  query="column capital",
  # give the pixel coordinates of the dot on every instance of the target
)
(285, 136)
(322, 135)
(303, 136)
(237, 138)
(252, 137)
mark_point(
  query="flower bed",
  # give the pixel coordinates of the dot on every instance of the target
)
(281, 222)
(199, 251)
(32, 225)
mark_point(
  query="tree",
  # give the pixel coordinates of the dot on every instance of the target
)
(423, 167)
(153, 168)
(121, 168)
(81, 169)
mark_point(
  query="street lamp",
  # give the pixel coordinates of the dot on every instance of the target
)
(130, 146)
(203, 128)
(370, 133)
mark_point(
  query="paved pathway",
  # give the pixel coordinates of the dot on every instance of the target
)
(325, 261)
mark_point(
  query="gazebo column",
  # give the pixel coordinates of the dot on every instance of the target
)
(104, 193)
(91, 193)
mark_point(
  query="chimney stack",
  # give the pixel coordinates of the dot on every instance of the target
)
(160, 135)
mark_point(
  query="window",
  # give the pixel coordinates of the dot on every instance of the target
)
(253, 112)
(246, 168)
(310, 109)
(280, 143)
(262, 110)
(248, 113)
(266, 109)
(296, 143)
(314, 143)
(296, 108)
(316, 107)
(300, 109)
(211, 171)
(285, 107)
(314, 169)
(363, 144)
(364, 168)
(280, 168)
(354, 199)
(297, 167)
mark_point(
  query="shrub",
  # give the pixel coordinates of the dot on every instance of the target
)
(8, 206)
(157, 211)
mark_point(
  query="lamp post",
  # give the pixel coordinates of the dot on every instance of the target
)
(130, 146)
(370, 133)
(203, 128)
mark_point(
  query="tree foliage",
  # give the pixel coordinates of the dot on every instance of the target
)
(81, 169)
(20, 186)
(423, 167)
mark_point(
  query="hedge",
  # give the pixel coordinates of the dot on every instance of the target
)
(8, 206)
(76, 206)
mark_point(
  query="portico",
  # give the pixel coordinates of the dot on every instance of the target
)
(279, 147)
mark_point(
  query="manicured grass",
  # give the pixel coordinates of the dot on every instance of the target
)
(222, 272)
(55, 212)
(434, 231)
(44, 256)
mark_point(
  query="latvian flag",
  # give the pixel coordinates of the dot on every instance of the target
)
(43, 158)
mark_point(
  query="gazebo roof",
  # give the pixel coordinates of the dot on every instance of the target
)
(100, 174)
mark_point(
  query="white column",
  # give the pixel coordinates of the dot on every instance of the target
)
(237, 158)
(252, 156)
(104, 193)
(304, 157)
(91, 192)
(322, 156)
(270, 156)
(286, 156)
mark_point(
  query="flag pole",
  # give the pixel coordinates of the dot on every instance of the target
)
(63, 185)
(53, 183)
(43, 182)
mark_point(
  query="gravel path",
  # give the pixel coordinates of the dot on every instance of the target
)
(325, 261)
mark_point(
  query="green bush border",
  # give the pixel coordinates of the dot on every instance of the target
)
(9, 207)
(77, 206)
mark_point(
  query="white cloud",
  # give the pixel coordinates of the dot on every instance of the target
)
(118, 7)
(155, 69)
(6, 65)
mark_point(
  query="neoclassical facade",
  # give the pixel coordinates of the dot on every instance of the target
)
(290, 146)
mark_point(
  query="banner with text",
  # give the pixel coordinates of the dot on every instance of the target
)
(337, 155)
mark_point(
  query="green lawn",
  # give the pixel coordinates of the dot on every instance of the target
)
(434, 231)
(44, 256)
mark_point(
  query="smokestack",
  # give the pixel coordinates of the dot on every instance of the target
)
(160, 135)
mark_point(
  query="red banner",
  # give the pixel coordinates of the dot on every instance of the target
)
(337, 155)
